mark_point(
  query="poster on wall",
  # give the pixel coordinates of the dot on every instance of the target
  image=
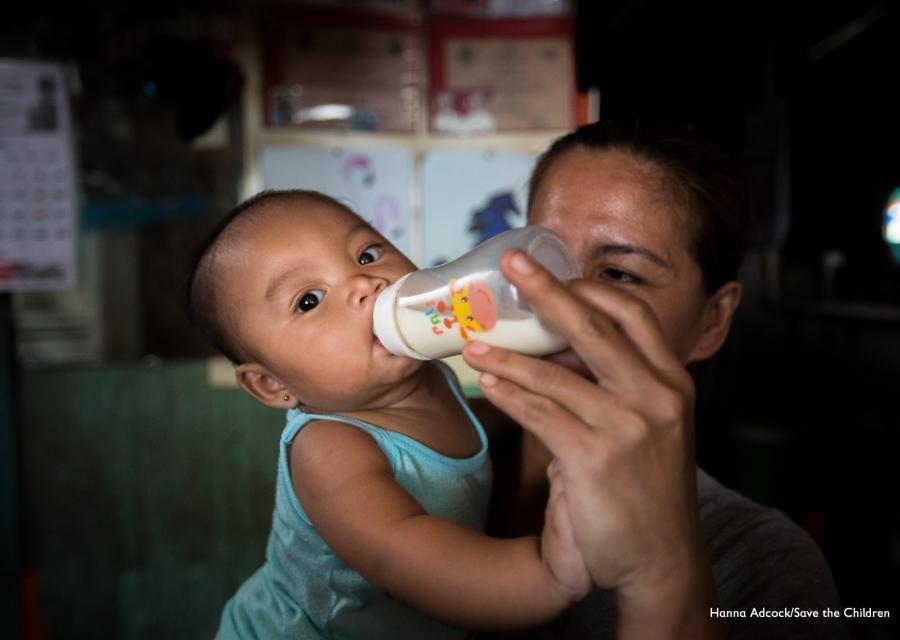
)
(376, 184)
(500, 8)
(468, 197)
(338, 68)
(501, 75)
(37, 182)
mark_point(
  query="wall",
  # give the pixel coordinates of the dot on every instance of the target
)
(148, 497)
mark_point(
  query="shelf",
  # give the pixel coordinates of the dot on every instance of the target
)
(843, 311)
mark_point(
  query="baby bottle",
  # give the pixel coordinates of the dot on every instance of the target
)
(433, 313)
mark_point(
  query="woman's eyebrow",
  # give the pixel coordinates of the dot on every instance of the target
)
(605, 250)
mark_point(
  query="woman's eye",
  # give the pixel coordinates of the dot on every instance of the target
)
(371, 254)
(309, 300)
(617, 275)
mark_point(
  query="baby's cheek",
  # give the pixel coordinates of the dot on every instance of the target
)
(339, 361)
(341, 346)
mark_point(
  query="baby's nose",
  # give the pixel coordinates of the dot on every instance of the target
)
(365, 289)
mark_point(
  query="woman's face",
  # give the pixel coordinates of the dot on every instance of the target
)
(611, 210)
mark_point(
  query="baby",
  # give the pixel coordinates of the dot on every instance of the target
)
(383, 475)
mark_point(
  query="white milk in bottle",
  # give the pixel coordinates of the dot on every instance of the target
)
(433, 313)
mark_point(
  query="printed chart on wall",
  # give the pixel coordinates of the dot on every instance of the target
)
(501, 75)
(468, 197)
(330, 68)
(37, 201)
(375, 184)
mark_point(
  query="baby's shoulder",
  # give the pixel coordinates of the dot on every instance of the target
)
(332, 462)
(324, 447)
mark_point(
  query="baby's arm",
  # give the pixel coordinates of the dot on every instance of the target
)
(447, 571)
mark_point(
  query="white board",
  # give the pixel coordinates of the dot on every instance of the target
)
(469, 196)
(375, 184)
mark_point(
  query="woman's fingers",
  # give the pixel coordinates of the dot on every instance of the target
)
(559, 546)
(556, 427)
(570, 360)
(552, 386)
(635, 319)
(613, 360)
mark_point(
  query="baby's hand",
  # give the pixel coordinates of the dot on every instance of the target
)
(558, 548)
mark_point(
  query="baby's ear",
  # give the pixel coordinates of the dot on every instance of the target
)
(256, 380)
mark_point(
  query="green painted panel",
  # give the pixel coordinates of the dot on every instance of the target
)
(148, 497)
(10, 561)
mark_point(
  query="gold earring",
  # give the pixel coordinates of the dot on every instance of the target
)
(286, 397)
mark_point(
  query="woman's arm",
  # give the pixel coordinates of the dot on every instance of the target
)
(624, 442)
(447, 571)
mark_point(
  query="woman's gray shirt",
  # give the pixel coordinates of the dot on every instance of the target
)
(761, 560)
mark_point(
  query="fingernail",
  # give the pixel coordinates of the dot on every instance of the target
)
(477, 348)
(519, 262)
(488, 379)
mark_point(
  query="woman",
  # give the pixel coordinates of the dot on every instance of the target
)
(657, 220)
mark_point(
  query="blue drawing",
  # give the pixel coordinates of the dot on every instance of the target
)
(493, 219)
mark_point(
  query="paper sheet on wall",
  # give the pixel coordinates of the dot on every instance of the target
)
(468, 197)
(375, 184)
(531, 83)
(37, 190)
(503, 75)
(335, 68)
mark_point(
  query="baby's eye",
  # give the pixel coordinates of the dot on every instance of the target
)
(309, 300)
(371, 254)
(617, 275)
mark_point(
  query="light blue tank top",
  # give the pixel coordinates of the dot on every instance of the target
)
(305, 591)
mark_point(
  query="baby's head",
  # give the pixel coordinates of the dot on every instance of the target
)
(285, 287)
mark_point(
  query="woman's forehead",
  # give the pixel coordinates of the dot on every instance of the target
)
(580, 173)
(590, 197)
(585, 184)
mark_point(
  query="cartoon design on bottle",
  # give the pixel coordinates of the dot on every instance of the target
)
(432, 313)
(473, 307)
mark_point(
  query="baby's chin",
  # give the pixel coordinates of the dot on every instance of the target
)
(391, 370)
(381, 353)
(376, 390)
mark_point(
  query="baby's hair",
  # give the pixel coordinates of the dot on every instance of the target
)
(200, 294)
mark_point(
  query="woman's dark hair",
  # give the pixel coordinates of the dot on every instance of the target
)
(200, 295)
(701, 178)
